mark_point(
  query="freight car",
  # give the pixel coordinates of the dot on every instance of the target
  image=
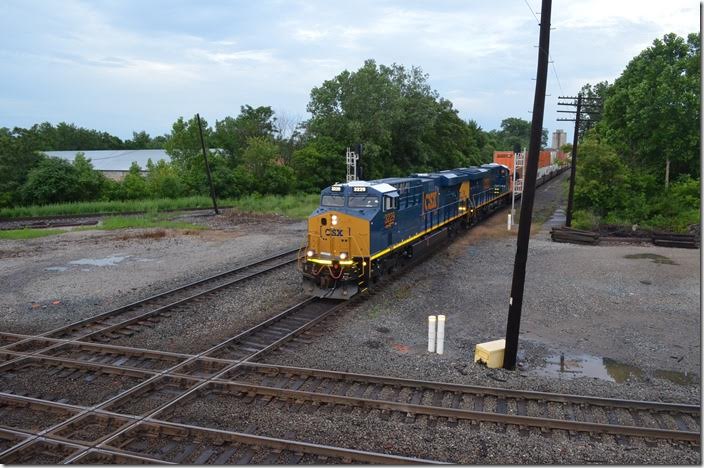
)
(365, 229)
(547, 164)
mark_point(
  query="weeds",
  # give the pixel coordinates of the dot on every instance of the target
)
(23, 234)
(297, 206)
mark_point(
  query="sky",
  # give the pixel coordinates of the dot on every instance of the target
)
(122, 66)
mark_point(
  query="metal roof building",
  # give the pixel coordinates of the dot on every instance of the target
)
(115, 160)
(115, 163)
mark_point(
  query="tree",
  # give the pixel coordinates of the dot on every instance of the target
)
(90, 182)
(602, 179)
(163, 181)
(318, 164)
(53, 180)
(514, 135)
(18, 156)
(651, 113)
(140, 140)
(591, 108)
(232, 134)
(134, 184)
(403, 124)
(184, 147)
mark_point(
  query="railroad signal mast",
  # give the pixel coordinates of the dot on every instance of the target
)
(352, 157)
(583, 104)
(517, 185)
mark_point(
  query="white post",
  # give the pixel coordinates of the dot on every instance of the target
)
(441, 334)
(431, 333)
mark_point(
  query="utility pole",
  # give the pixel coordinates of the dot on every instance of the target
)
(207, 166)
(515, 302)
(583, 104)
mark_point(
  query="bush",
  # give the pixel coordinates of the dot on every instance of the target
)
(54, 180)
(163, 181)
(584, 219)
(134, 185)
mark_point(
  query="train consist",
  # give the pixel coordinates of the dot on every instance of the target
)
(363, 230)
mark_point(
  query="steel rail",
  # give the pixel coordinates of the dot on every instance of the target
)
(155, 377)
(226, 369)
(265, 369)
(482, 416)
(141, 302)
(154, 311)
(166, 426)
(473, 389)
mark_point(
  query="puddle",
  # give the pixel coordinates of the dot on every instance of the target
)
(58, 268)
(107, 261)
(654, 257)
(573, 366)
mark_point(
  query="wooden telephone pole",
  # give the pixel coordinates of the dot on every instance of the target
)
(591, 105)
(515, 302)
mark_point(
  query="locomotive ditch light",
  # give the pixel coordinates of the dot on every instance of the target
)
(310, 253)
(343, 256)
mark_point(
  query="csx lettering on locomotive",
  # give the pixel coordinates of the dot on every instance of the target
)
(431, 201)
(333, 232)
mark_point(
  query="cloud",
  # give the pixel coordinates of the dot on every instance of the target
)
(120, 66)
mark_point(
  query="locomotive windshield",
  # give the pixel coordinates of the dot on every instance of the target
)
(333, 200)
(364, 202)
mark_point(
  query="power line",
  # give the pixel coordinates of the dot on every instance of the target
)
(552, 62)
(559, 85)
(531, 10)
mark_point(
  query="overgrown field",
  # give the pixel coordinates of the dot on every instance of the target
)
(296, 206)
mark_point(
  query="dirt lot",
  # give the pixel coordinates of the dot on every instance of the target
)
(51, 281)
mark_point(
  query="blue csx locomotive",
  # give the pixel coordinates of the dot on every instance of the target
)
(364, 229)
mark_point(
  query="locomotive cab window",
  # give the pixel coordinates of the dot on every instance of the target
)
(364, 202)
(333, 200)
(390, 203)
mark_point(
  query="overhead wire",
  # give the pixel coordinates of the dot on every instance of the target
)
(552, 62)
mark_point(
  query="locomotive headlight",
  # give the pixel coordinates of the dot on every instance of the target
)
(343, 256)
(310, 253)
(334, 220)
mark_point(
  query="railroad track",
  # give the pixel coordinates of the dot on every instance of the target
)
(443, 403)
(78, 371)
(131, 318)
(407, 400)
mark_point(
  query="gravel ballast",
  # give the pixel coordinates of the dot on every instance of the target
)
(465, 443)
(52, 281)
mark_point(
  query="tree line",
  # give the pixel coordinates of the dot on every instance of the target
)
(639, 163)
(403, 125)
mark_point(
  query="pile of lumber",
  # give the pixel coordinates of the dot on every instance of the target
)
(574, 236)
(670, 239)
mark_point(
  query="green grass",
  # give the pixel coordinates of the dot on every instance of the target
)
(297, 206)
(22, 234)
(125, 206)
(141, 222)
